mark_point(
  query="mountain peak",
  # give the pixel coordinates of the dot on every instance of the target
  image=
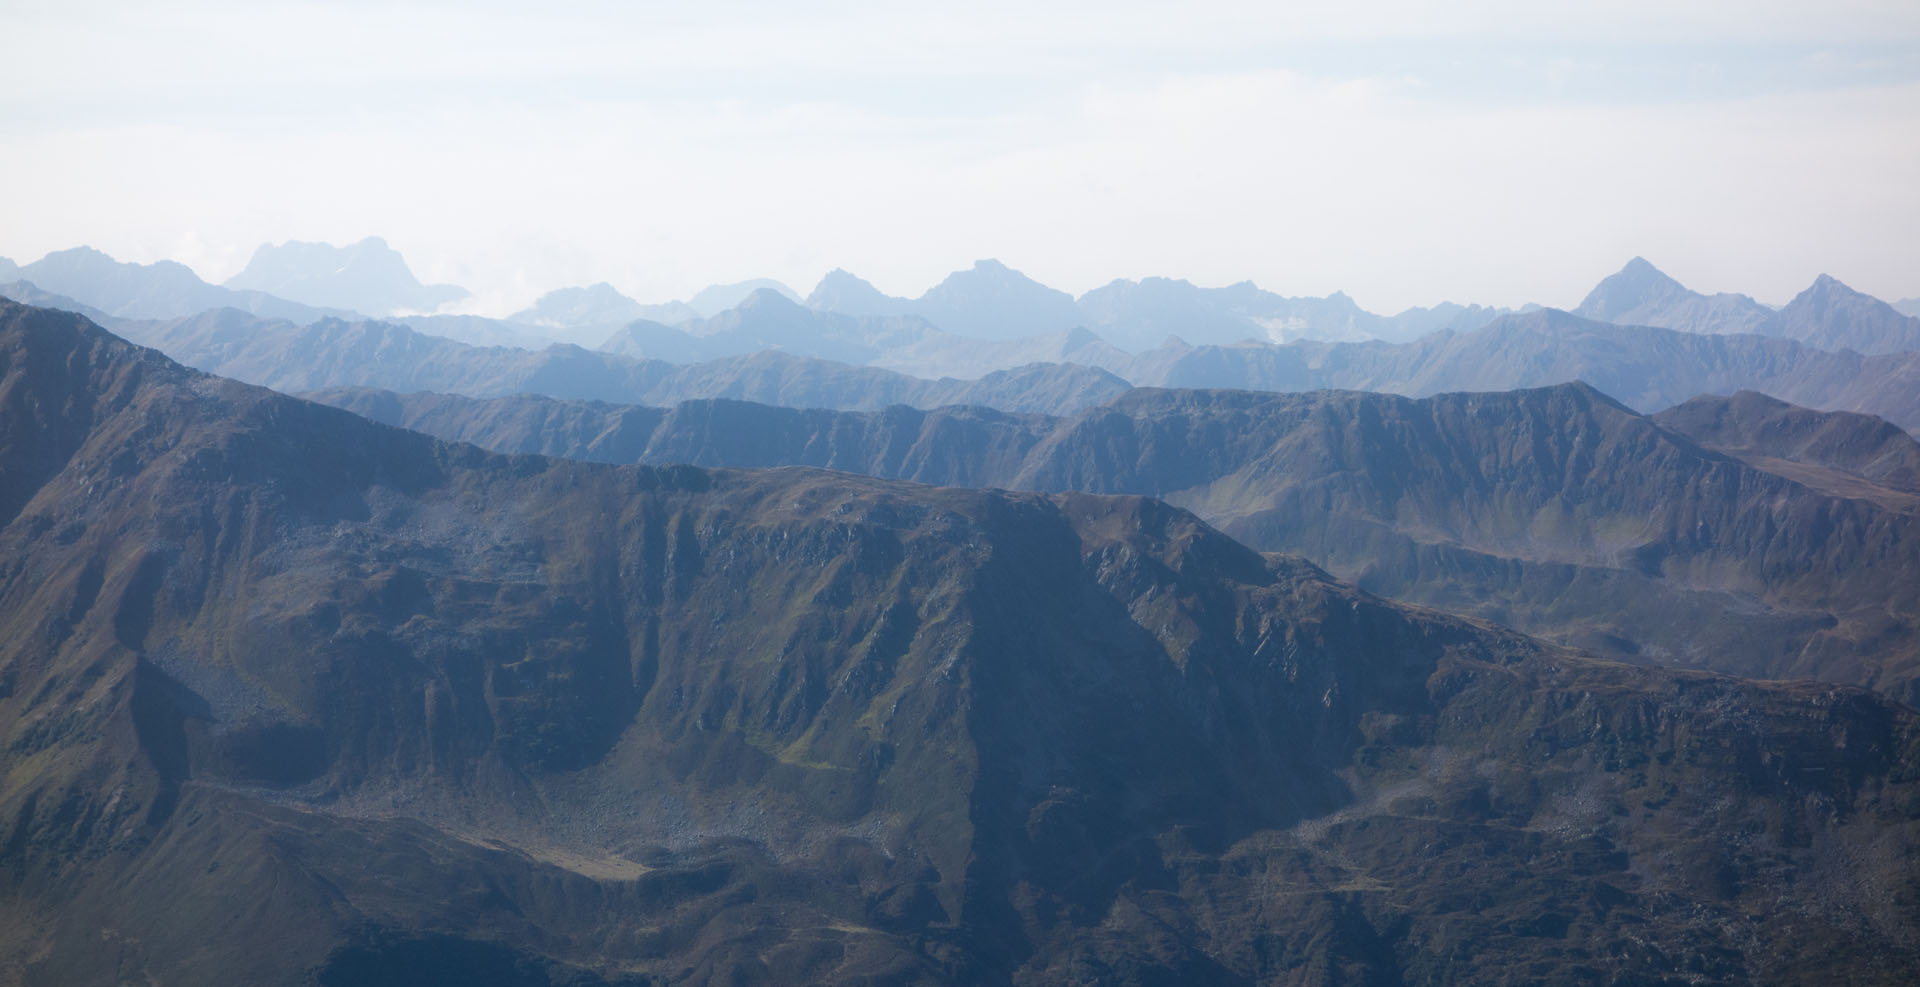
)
(849, 294)
(1827, 289)
(367, 276)
(1636, 287)
(993, 301)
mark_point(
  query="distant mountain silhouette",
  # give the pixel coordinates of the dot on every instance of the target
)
(377, 709)
(1640, 294)
(1828, 315)
(846, 294)
(587, 315)
(598, 306)
(1647, 368)
(162, 290)
(1831, 316)
(368, 277)
(997, 304)
(336, 353)
(992, 301)
(715, 299)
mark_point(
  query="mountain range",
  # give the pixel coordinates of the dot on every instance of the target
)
(1828, 315)
(331, 353)
(409, 711)
(161, 290)
(1740, 534)
(989, 317)
(1646, 368)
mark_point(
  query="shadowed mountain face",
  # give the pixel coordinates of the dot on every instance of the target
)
(1556, 510)
(407, 710)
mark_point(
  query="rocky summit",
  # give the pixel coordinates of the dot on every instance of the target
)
(289, 696)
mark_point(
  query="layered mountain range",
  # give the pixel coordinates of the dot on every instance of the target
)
(751, 341)
(1740, 534)
(413, 712)
(1646, 368)
(989, 303)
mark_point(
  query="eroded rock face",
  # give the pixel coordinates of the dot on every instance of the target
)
(1737, 534)
(270, 673)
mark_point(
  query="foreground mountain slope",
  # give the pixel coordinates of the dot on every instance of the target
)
(414, 713)
(1555, 510)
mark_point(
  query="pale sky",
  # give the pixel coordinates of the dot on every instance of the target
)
(1405, 152)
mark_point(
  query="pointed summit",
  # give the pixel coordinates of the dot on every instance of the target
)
(1640, 294)
(1639, 287)
(1833, 316)
(845, 293)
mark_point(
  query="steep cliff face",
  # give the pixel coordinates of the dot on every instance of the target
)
(1555, 510)
(271, 673)
(1757, 538)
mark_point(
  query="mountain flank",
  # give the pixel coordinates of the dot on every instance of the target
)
(397, 706)
(1763, 540)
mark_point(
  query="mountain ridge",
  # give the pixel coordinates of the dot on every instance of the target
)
(1515, 506)
(629, 725)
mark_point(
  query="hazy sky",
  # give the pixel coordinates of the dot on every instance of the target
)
(1407, 152)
